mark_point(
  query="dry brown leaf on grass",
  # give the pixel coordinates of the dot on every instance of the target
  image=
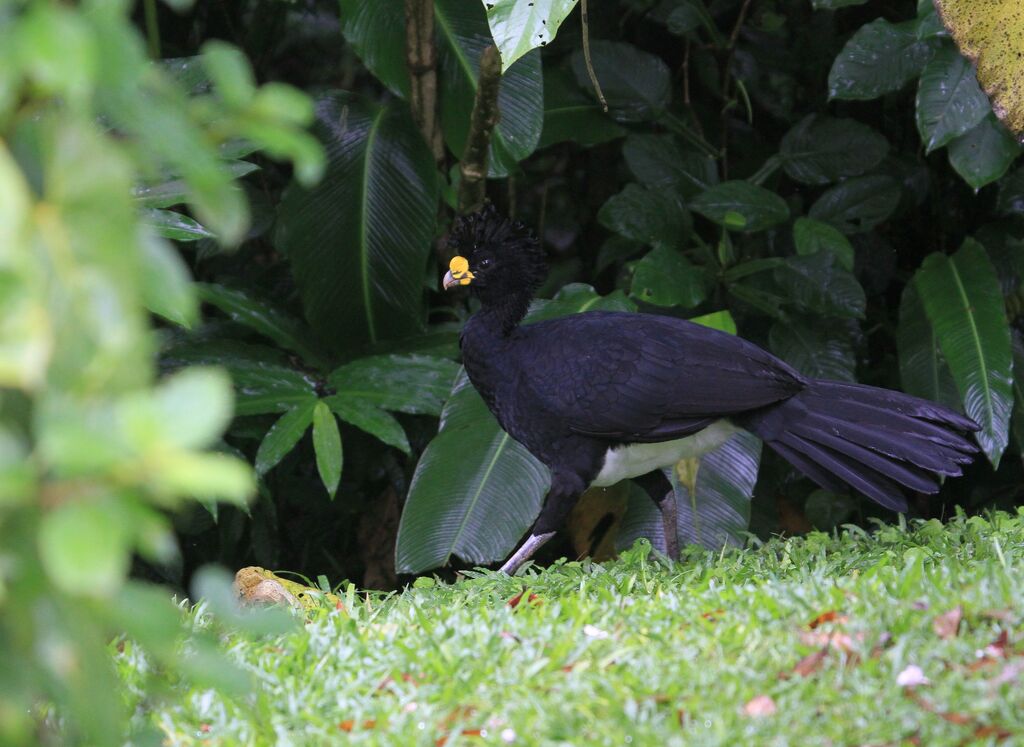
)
(947, 624)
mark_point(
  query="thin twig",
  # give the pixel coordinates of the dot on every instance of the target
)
(586, 55)
(473, 167)
(152, 29)
(727, 102)
(421, 60)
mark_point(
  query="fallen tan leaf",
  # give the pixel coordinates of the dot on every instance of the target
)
(760, 707)
(947, 624)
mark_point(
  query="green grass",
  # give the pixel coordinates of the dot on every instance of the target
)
(634, 651)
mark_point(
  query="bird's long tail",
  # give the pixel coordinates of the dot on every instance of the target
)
(874, 440)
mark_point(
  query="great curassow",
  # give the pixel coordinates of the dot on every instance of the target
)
(601, 397)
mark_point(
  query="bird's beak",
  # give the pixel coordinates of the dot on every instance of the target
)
(458, 274)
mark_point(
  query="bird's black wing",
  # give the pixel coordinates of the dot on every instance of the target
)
(640, 377)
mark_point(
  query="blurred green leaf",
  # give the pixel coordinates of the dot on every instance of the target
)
(85, 548)
(985, 153)
(571, 115)
(376, 31)
(519, 26)
(415, 384)
(463, 35)
(949, 100)
(167, 287)
(474, 493)
(655, 217)
(858, 204)
(664, 277)
(820, 150)
(283, 435)
(812, 236)
(880, 58)
(963, 302)
(327, 444)
(172, 225)
(358, 241)
(923, 370)
(741, 206)
(371, 419)
(636, 84)
(230, 72)
(165, 194)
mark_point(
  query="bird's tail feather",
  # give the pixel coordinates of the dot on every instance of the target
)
(874, 440)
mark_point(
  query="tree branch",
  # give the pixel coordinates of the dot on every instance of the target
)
(473, 185)
(421, 59)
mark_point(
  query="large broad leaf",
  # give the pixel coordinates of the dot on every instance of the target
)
(667, 278)
(651, 216)
(984, 154)
(949, 100)
(858, 204)
(742, 206)
(815, 349)
(880, 58)
(719, 513)
(818, 284)
(636, 84)
(521, 25)
(376, 31)
(463, 35)
(659, 163)
(569, 114)
(367, 417)
(474, 493)
(812, 236)
(415, 384)
(821, 150)
(963, 302)
(923, 369)
(1018, 390)
(991, 33)
(264, 317)
(359, 240)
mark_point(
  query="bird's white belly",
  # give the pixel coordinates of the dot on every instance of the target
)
(634, 460)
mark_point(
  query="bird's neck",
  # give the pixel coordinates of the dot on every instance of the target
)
(502, 315)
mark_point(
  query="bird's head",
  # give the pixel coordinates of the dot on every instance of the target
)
(497, 258)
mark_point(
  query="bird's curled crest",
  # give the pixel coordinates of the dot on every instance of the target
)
(508, 238)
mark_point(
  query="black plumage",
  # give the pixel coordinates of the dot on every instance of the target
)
(602, 396)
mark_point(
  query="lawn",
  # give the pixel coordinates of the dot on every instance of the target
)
(907, 635)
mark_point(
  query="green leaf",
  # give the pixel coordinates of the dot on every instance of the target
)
(821, 150)
(636, 84)
(718, 515)
(666, 278)
(742, 206)
(414, 384)
(474, 493)
(720, 320)
(173, 192)
(463, 35)
(359, 240)
(817, 284)
(576, 298)
(189, 409)
(571, 115)
(1011, 194)
(371, 419)
(263, 317)
(949, 100)
(984, 154)
(814, 349)
(84, 548)
(283, 436)
(879, 58)
(521, 25)
(167, 287)
(811, 236)
(327, 444)
(653, 217)
(834, 4)
(858, 204)
(376, 31)
(172, 225)
(659, 163)
(963, 302)
(923, 370)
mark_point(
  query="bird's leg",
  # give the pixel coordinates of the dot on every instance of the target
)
(658, 487)
(565, 491)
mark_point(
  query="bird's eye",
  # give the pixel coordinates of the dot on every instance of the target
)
(484, 264)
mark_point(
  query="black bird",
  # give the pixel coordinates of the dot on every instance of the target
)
(600, 397)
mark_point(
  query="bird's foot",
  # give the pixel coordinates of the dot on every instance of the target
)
(525, 552)
(668, 520)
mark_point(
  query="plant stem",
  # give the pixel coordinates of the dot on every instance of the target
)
(152, 28)
(473, 186)
(421, 60)
(586, 55)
